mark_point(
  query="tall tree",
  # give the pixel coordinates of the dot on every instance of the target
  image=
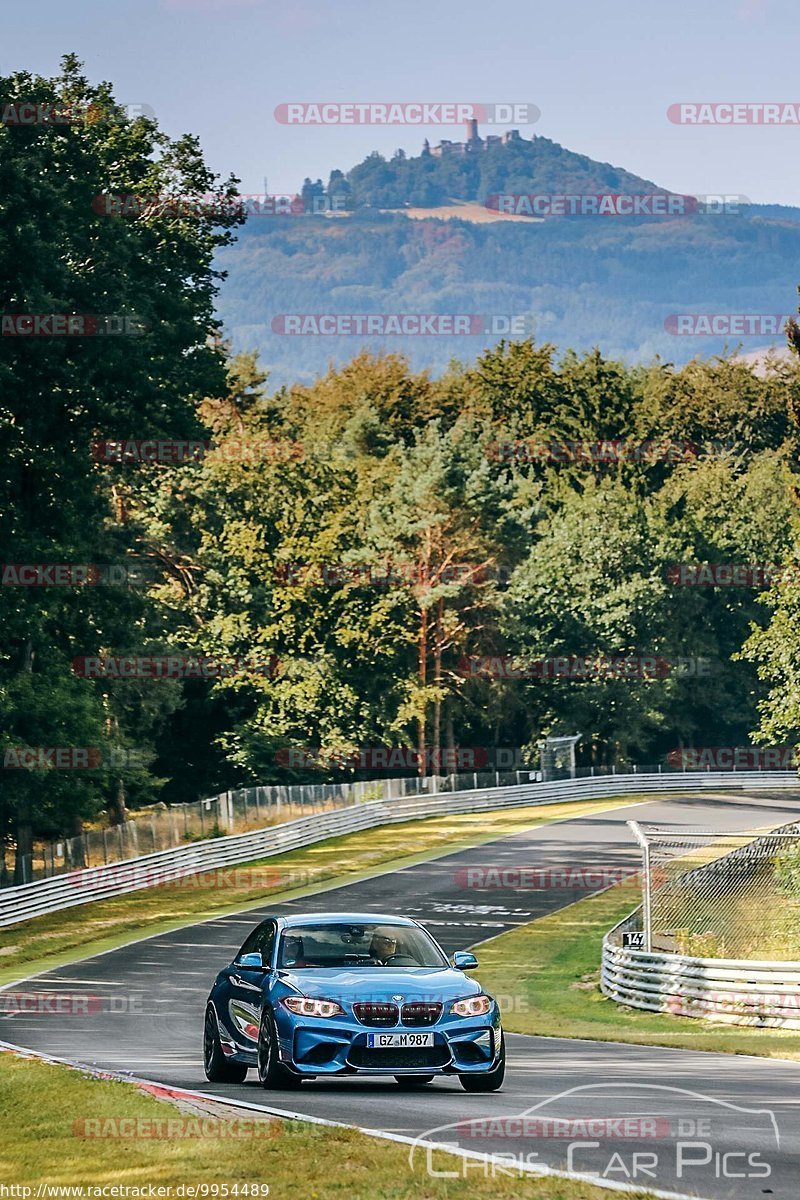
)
(146, 281)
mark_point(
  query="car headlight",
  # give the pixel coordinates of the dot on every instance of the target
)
(473, 1006)
(302, 1006)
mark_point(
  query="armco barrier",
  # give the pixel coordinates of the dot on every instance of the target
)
(737, 991)
(100, 883)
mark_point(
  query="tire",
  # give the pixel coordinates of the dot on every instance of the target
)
(491, 1080)
(413, 1081)
(271, 1072)
(218, 1068)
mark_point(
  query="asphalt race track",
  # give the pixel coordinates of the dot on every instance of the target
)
(715, 1125)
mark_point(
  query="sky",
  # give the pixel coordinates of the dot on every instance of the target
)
(602, 75)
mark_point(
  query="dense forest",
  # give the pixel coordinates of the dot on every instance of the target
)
(378, 557)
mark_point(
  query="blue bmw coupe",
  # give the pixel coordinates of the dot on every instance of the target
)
(310, 996)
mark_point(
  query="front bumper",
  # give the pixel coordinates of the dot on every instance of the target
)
(314, 1046)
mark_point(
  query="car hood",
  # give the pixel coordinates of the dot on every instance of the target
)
(378, 985)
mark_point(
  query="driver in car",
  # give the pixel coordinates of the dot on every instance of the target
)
(293, 953)
(382, 947)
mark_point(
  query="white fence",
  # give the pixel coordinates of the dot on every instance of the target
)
(99, 883)
(739, 991)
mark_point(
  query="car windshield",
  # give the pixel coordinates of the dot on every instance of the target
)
(357, 945)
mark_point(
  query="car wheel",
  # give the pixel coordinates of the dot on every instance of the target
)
(271, 1072)
(413, 1081)
(218, 1068)
(491, 1080)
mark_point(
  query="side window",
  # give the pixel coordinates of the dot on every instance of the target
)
(262, 938)
(250, 943)
(266, 941)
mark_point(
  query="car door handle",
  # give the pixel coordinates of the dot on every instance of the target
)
(237, 981)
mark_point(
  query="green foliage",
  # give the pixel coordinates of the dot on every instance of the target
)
(398, 483)
(59, 254)
(787, 872)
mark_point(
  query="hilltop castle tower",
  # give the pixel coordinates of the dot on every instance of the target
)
(473, 137)
(474, 142)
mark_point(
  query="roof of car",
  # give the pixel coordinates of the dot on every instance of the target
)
(350, 918)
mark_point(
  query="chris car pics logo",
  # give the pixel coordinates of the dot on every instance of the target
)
(644, 1135)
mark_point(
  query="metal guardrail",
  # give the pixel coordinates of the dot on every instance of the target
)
(738, 991)
(245, 810)
(99, 883)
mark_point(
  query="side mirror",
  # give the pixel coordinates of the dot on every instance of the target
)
(464, 960)
(251, 962)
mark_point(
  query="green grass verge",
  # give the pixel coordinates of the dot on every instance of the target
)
(60, 938)
(40, 1104)
(549, 973)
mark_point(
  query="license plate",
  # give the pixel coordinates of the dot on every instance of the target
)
(377, 1041)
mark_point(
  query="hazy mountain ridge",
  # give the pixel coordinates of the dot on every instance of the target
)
(608, 281)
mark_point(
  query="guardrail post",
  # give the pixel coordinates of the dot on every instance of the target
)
(647, 918)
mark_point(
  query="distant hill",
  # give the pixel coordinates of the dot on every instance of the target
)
(428, 180)
(582, 281)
